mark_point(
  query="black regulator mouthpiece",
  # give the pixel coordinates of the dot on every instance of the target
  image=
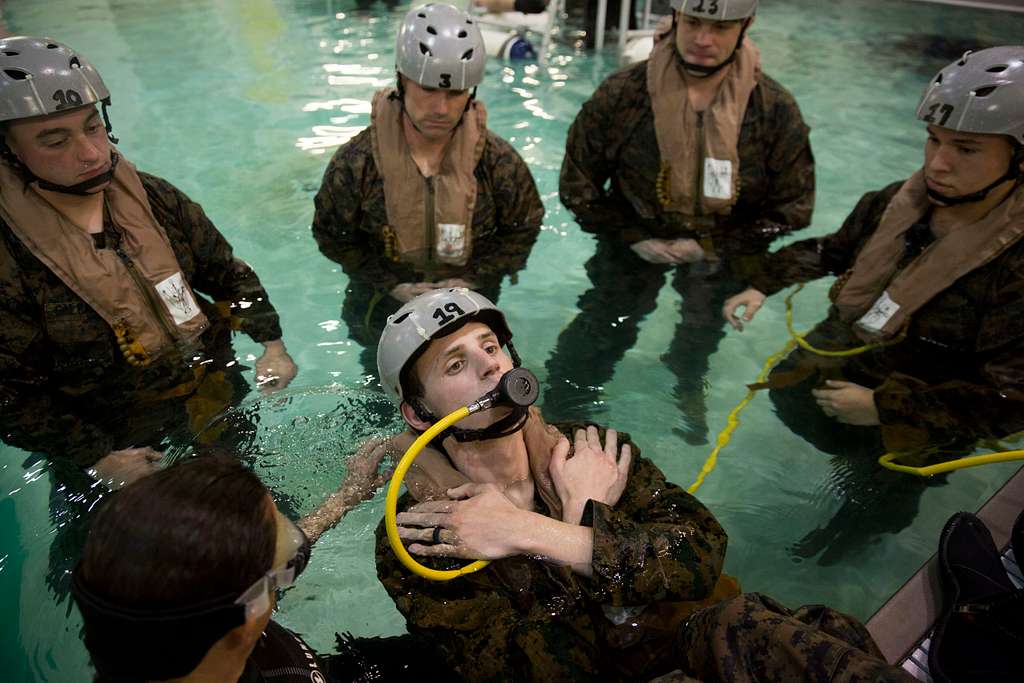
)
(518, 388)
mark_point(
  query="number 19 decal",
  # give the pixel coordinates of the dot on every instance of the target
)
(445, 314)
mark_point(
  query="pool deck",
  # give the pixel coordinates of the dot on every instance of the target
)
(902, 626)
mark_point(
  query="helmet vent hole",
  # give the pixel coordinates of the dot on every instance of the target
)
(986, 91)
(74, 63)
(11, 53)
(467, 55)
(425, 50)
(401, 319)
(421, 15)
(462, 33)
(16, 74)
(938, 80)
(998, 69)
(431, 30)
(52, 46)
(469, 21)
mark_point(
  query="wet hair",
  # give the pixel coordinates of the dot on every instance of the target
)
(194, 533)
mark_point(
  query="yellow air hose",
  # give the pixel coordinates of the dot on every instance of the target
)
(886, 461)
(517, 387)
(391, 505)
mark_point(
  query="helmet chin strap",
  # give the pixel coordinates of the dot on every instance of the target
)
(702, 71)
(1012, 173)
(83, 188)
(506, 426)
(399, 95)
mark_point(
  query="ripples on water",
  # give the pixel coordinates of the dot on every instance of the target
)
(241, 104)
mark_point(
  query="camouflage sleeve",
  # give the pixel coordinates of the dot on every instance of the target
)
(590, 160)
(657, 543)
(477, 629)
(519, 215)
(338, 215)
(833, 254)
(915, 414)
(32, 416)
(789, 200)
(204, 252)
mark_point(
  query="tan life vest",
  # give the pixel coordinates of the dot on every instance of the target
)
(139, 289)
(431, 230)
(699, 155)
(879, 301)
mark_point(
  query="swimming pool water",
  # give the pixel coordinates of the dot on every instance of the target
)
(241, 103)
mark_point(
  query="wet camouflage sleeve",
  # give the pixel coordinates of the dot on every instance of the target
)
(522, 619)
(610, 171)
(351, 214)
(754, 638)
(985, 396)
(32, 417)
(56, 353)
(832, 254)
(591, 163)
(350, 201)
(507, 192)
(209, 261)
(958, 376)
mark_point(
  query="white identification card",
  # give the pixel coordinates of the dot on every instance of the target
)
(451, 241)
(717, 178)
(882, 311)
(178, 299)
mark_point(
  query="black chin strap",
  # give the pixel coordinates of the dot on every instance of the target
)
(399, 94)
(81, 189)
(1012, 173)
(506, 426)
(700, 70)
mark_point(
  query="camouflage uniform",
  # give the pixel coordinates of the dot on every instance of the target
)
(613, 143)
(753, 638)
(351, 216)
(524, 619)
(958, 374)
(65, 387)
(956, 377)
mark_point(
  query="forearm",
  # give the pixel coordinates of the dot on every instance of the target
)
(558, 542)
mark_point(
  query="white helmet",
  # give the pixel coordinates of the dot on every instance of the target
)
(982, 92)
(440, 46)
(40, 76)
(430, 315)
(716, 10)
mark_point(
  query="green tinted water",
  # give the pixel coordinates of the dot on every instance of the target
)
(241, 103)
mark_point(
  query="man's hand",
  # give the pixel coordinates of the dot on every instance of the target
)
(848, 403)
(407, 291)
(477, 522)
(275, 369)
(120, 468)
(593, 472)
(750, 300)
(670, 252)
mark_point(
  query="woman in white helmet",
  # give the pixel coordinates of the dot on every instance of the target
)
(426, 196)
(106, 344)
(931, 270)
(688, 164)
